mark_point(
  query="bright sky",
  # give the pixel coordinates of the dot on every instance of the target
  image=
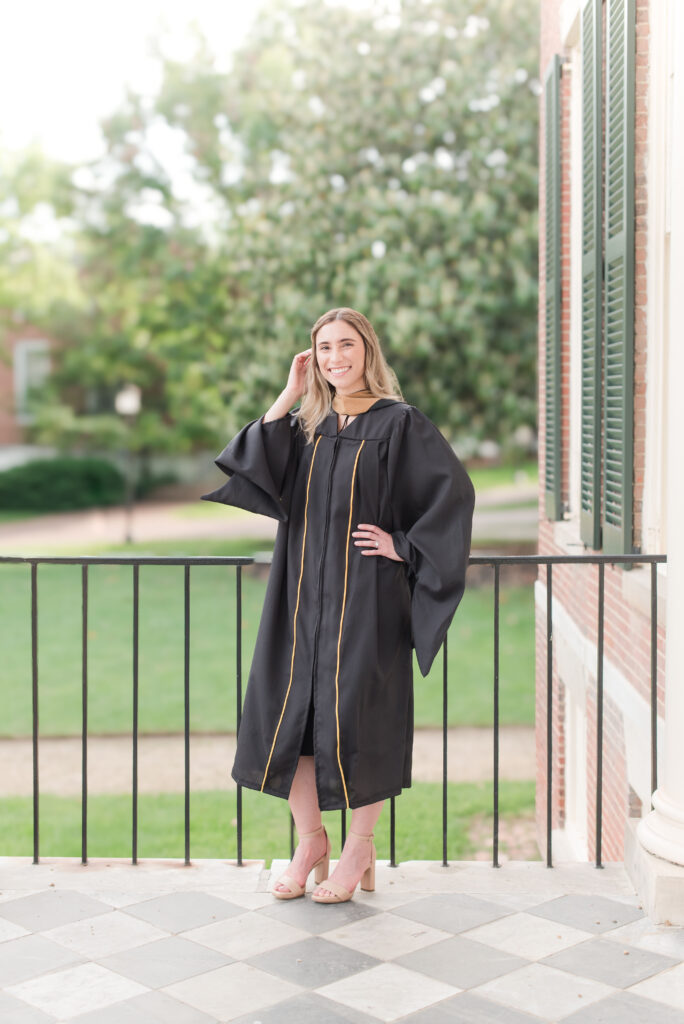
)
(64, 64)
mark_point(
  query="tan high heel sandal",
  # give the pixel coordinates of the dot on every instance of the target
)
(321, 869)
(342, 895)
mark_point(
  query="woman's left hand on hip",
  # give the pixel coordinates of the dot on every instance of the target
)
(375, 541)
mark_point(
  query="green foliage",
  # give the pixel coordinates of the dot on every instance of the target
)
(385, 161)
(58, 484)
(37, 270)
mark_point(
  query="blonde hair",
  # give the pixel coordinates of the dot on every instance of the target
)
(379, 377)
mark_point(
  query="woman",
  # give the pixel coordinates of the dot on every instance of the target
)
(375, 515)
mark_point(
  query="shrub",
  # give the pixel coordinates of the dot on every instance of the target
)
(53, 485)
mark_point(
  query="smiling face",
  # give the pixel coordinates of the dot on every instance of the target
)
(341, 356)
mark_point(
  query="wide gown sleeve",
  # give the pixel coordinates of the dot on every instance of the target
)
(260, 462)
(432, 503)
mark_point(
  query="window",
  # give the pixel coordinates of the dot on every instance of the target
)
(607, 285)
(31, 370)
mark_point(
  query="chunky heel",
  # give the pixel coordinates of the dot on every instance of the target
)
(339, 893)
(322, 869)
(368, 878)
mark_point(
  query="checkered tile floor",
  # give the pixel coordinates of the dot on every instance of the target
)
(114, 944)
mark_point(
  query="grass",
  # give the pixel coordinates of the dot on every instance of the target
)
(265, 823)
(14, 516)
(486, 477)
(212, 648)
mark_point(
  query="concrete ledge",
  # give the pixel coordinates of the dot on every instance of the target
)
(660, 884)
(529, 881)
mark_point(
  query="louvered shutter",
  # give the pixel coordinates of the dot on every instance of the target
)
(590, 474)
(552, 371)
(618, 393)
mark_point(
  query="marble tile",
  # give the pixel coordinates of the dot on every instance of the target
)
(658, 938)
(317, 918)
(590, 913)
(466, 1008)
(388, 992)
(232, 991)
(161, 963)
(625, 1008)
(245, 935)
(45, 910)
(386, 936)
(386, 899)
(615, 964)
(118, 899)
(527, 936)
(314, 962)
(76, 990)
(101, 936)
(308, 1008)
(14, 894)
(667, 987)
(180, 911)
(461, 963)
(15, 1011)
(31, 955)
(9, 930)
(452, 912)
(544, 991)
(517, 900)
(250, 900)
(150, 1008)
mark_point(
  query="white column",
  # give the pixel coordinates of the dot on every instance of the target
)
(662, 832)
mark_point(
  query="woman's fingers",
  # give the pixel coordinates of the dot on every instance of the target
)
(375, 541)
(370, 537)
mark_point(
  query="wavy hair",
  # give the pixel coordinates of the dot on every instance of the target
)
(379, 377)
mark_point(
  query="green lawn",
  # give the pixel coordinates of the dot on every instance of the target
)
(212, 648)
(12, 516)
(486, 477)
(265, 826)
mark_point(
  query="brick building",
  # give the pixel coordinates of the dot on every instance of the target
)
(611, 376)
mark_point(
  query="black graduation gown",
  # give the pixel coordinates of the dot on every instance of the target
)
(337, 626)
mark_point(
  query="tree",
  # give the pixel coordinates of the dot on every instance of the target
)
(382, 158)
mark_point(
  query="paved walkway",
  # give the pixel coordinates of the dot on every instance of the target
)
(116, 944)
(181, 521)
(160, 760)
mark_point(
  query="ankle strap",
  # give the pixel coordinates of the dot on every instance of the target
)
(316, 832)
(357, 836)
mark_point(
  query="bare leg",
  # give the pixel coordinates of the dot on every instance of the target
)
(303, 801)
(356, 854)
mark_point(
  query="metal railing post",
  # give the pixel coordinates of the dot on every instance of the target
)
(34, 710)
(445, 740)
(549, 714)
(495, 838)
(136, 660)
(84, 710)
(238, 697)
(599, 714)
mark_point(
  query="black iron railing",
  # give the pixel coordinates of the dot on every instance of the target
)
(495, 562)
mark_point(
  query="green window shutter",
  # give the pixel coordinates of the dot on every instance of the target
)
(618, 371)
(592, 130)
(552, 383)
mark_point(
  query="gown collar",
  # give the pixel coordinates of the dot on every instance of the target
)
(357, 402)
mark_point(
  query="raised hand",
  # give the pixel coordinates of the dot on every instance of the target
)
(296, 381)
